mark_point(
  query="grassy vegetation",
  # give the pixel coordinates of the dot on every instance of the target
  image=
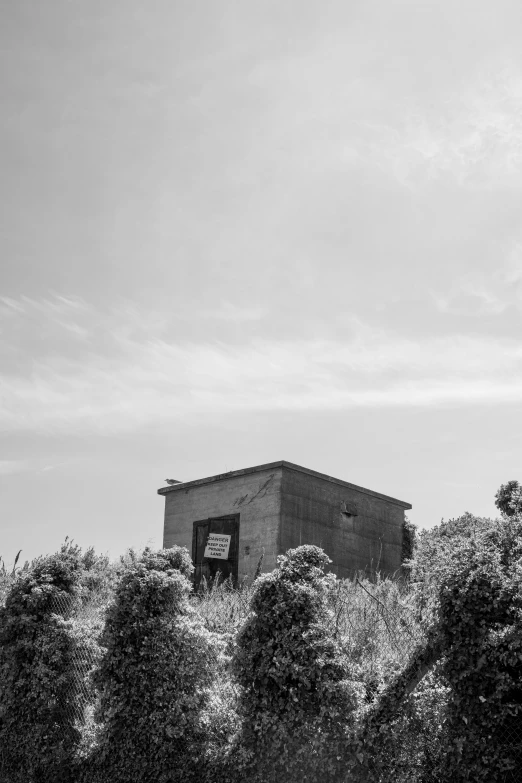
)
(412, 655)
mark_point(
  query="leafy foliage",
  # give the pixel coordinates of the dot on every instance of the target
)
(37, 682)
(9, 575)
(480, 627)
(474, 633)
(409, 536)
(439, 551)
(509, 498)
(297, 697)
(153, 674)
(296, 676)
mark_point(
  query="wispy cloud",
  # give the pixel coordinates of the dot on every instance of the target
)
(48, 468)
(135, 379)
(480, 293)
(473, 136)
(10, 466)
(227, 311)
(469, 296)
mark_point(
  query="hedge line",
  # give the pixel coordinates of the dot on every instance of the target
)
(284, 698)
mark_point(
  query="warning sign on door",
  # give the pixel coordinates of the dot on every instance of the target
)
(217, 546)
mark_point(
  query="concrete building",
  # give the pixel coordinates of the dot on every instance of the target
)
(228, 521)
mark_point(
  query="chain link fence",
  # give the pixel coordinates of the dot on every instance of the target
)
(377, 625)
(221, 610)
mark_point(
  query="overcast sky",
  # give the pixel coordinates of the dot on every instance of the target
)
(238, 231)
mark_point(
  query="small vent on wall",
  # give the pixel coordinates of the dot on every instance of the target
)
(349, 509)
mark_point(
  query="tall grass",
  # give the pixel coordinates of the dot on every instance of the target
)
(8, 575)
(376, 621)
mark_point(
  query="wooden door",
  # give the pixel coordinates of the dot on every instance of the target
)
(209, 567)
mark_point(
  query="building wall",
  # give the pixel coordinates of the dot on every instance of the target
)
(256, 497)
(311, 513)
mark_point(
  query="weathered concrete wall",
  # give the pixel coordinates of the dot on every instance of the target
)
(282, 505)
(255, 496)
(311, 513)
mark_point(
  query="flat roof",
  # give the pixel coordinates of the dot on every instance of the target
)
(280, 464)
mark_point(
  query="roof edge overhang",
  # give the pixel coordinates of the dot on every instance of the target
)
(283, 464)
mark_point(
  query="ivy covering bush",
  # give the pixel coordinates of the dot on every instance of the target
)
(474, 639)
(508, 498)
(297, 676)
(153, 675)
(38, 685)
(297, 696)
(480, 626)
(409, 537)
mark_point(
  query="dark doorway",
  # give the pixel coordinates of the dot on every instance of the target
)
(210, 567)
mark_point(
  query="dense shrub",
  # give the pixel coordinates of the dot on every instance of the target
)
(297, 698)
(509, 498)
(480, 626)
(298, 676)
(475, 635)
(38, 686)
(153, 675)
(409, 537)
(440, 551)
(9, 575)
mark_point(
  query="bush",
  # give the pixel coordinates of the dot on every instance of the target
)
(298, 676)
(509, 498)
(440, 551)
(9, 576)
(480, 622)
(475, 639)
(297, 699)
(409, 537)
(153, 675)
(38, 690)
